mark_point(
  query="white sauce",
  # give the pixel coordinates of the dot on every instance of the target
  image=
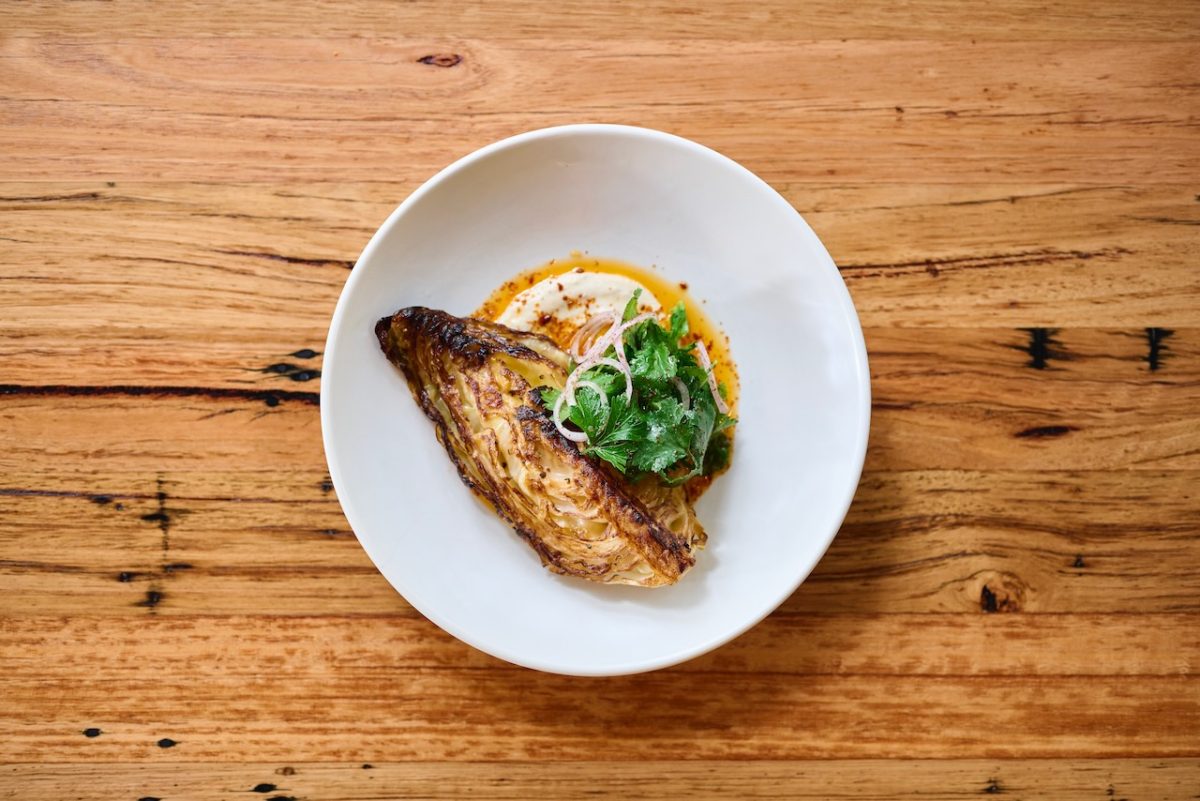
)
(571, 299)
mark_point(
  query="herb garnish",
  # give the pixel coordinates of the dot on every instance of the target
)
(673, 433)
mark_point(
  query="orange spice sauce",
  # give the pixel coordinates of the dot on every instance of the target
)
(667, 292)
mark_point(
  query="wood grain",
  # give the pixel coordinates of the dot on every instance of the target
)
(769, 19)
(502, 715)
(363, 109)
(144, 257)
(1010, 192)
(944, 780)
(801, 644)
(249, 539)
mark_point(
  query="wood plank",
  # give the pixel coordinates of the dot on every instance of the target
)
(942, 399)
(205, 109)
(253, 527)
(492, 715)
(91, 647)
(869, 780)
(769, 20)
(253, 271)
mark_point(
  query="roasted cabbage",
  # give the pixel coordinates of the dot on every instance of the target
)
(477, 381)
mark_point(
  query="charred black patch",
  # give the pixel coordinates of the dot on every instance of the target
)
(167, 742)
(326, 485)
(1044, 432)
(472, 341)
(262, 788)
(153, 599)
(443, 60)
(993, 787)
(1003, 593)
(304, 353)
(161, 515)
(293, 371)
(164, 517)
(102, 500)
(1079, 563)
(1042, 347)
(1156, 339)
(93, 732)
(125, 576)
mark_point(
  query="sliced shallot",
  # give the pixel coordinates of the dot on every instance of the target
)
(574, 436)
(587, 331)
(602, 342)
(685, 397)
(706, 363)
(615, 335)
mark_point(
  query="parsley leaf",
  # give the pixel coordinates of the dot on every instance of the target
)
(656, 457)
(549, 396)
(631, 307)
(667, 436)
(653, 353)
(653, 363)
(679, 322)
(625, 423)
(609, 380)
(616, 455)
(590, 411)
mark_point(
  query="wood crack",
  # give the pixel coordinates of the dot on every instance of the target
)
(271, 397)
(256, 254)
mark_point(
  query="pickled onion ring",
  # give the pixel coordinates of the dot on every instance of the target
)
(706, 363)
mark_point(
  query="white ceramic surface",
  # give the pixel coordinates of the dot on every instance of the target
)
(652, 199)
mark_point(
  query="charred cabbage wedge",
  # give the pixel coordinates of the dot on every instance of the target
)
(477, 382)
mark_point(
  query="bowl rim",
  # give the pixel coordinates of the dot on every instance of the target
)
(861, 369)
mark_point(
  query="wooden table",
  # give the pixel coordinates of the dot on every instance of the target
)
(1013, 605)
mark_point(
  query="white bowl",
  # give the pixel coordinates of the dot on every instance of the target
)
(649, 198)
